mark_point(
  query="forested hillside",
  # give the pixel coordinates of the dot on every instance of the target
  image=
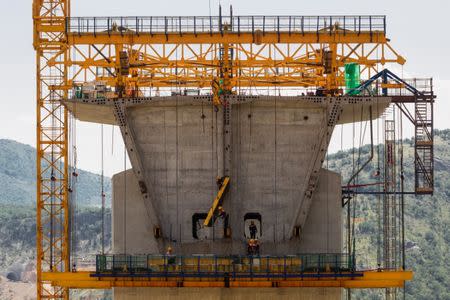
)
(17, 217)
(427, 220)
(18, 177)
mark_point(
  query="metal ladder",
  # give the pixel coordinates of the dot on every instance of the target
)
(390, 216)
(423, 146)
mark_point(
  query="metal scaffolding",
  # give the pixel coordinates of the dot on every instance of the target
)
(135, 55)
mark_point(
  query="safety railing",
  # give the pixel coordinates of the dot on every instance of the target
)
(220, 24)
(306, 265)
(422, 85)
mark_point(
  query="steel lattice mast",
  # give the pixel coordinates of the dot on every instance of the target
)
(52, 207)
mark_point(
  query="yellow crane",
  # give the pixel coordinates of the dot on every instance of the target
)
(134, 54)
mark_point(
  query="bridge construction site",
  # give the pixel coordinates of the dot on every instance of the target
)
(226, 121)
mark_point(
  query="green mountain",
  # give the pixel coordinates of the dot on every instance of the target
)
(18, 177)
(427, 218)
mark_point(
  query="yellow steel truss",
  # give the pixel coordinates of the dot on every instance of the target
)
(52, 238)
(298, 63)
(66, 56)
(370, 279)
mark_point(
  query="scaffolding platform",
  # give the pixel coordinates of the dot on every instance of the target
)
(219, 24)
(306, 270)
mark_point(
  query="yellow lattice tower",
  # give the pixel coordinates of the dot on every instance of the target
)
(52, 209)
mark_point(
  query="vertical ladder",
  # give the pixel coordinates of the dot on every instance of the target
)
(226, 66)
(423, 146)
(390, 203)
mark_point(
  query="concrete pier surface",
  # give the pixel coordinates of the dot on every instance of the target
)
(271, 148)
(322, 232)
(183, 149)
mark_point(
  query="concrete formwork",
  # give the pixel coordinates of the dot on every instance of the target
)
(266, 147)
(322, 233)
(269, 146)
(178, 147)
(274, 143)
(182, 149)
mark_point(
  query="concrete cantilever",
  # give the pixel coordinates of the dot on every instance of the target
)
(102, 110)
(269, 146)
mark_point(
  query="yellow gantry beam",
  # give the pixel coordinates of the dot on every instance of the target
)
(217, 200)
(288, 59)
(226, 38)
(370, 279)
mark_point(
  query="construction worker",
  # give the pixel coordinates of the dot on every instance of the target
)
(256, 247)
(219, 181)
(170, 257)
(222, 213)
(224, 216)
(250, 246)
(253, 230)
(253, 247)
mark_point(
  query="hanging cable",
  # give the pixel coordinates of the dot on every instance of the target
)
(275, 173)
(52, 185)
(378, 174)
(70, 184)
(177, 167)
(353, 171)
(102, 191)
(402, 200)
(165, 161)
(275, 162)
(361, 137)
(74, 200)
(349, 202)
(178, 89)
(125, 198)
(328, 190)
(112, 140)
(361, 141)
(402, 188)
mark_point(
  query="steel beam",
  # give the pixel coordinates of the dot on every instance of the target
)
(369, 279)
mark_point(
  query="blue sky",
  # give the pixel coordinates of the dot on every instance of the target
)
(418, 29)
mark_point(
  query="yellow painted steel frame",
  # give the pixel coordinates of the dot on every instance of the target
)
(370, 279)
(167, 61)
(294, 62)
(52, 209)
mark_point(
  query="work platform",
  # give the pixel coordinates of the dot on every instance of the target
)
(227, 29)
(367, 279)
(220, 24)
(303, 270)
